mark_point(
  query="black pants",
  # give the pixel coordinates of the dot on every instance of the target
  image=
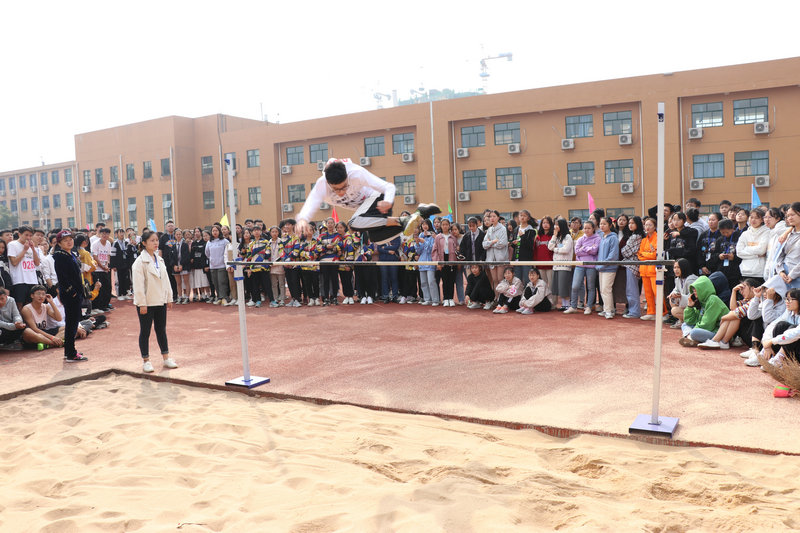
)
(311, 283)
(512, 303)
(367, 276)
(481, 291)
(72, 316)
(104, 295)
(330, 281)
(377, 233)
(346, 277)
(260, 282)
(173, 283)
(124, 280)
(211, 288)
(448, 274)
(156, 316)
(293, 281)
(409, 283)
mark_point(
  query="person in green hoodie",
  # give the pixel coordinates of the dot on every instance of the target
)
(703, 313)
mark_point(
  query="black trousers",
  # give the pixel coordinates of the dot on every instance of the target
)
(72, 316)
(124, 280)
(173, 283)
(512, 303)
(346, 277)
(259, 282)
(104, 295)
(310, 283)
(330, 280)
(409, 283)
(367, 279)
(293, 281)
(156, 316)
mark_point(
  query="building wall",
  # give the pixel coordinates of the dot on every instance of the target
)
(438, 172)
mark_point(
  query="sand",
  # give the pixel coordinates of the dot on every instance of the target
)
(128, 454)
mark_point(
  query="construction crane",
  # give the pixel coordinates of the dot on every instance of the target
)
(485, 68)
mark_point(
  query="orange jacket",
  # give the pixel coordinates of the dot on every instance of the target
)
(648, 252)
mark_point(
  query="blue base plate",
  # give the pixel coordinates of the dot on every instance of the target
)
(642, 426)
(254, 381)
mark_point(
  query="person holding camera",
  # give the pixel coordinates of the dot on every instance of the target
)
(703, 313)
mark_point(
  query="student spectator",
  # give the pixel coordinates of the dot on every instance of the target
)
(741, 218)
(277, 274)
(23, 257)
(166, 245)
(409, 276)
(121, 264)
(456, 230)
(648, 251)
(479, 292)
(444, 249)
(198, 263)
(586, 249)
(622, 226)
(329, 251)
(289, 241)
(390, 274)
(307, 250)
(682, 240)
(765, 307)
(5, 277)
(366, 272)
(48, 271)
(784, 331)
(562, 247)
(101, 253)
(258, 275)
(427, 273)
(607, 251)
(703, 312)
(706, 244)
(524, 243)
(471, 245)
(752, 246)
(773, 219)
(787, 259)
(542, 252)
(724, 258)
(679, 297)
(694, 221)
(495, 242)
(629, 251)
(35, 316)
(535, 295)
(732, 322)
(215, 252)
(509, 292)
(724, 208)
(11, 324)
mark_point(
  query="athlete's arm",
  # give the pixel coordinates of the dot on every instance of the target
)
(310, 207)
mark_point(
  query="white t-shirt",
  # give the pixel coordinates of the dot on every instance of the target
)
(361, 184)
(93, 239)
(102, 251)
(25, 270)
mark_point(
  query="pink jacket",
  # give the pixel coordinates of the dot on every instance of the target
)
(438, 247)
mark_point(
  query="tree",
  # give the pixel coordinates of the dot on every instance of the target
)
(7, 218)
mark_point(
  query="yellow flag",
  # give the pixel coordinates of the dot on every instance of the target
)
(224, 219)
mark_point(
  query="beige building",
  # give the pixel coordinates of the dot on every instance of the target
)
(727, 129)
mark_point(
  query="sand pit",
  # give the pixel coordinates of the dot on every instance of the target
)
(127, 454)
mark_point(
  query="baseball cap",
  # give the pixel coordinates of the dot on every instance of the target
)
(63, 233)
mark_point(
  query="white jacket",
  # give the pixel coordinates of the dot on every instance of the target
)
(151, 286)
(497, 251)
(539, 293)
(561, 251)
(752, 250)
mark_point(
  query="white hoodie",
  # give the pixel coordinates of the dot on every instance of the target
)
(752, 250)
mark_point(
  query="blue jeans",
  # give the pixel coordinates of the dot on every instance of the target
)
(697, 334)
(632, 293)
(590, 275)
(460, 283)
(390, 281)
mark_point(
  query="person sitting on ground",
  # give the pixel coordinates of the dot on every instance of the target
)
(784, 331)
(535, 295)
(35, 316)
(479, 291)
(11, 323)
(731, 323)
(679, 297)
(509, 292)
(765, 308)
(703, 312)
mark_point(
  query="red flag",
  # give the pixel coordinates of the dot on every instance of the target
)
(335, 216)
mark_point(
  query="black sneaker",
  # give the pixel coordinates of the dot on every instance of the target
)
(77, 358)
(12, 346)
(427, 210)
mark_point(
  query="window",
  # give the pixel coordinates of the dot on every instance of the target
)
(69, 199)
(750, 111)
(406, 184)
(101, 209)
(707, 115)
(54, 177)
(235, 197)
(67, 175)
(2, 184)
(56, 201)
(34, 204)
(23, 180)
(89, 215)
(165, 167)
(580, 173)
(207, 165)
(208, 199)
(403, 143)
(473, 136)
(617, 123)
(87, 178)
(149, 209)
(33, 180)
(254, 195)
(617, 211)
(113, 173)
(43, 178)
(132, 220)
(508, 178)
(619, 171)
(474, 180)
(374, 146)
(45, 202)
(57, 223)
(583, 214)
(71, 222)
(166, 205)
(130, 173)
(147, 169)
(115, 213)
(506, 133)
(580, 126)
(231, 156)
(253, 159)
(98, 176)
(13, 205)
(751, 163)
(294, 155)
(12, 183)
(708, 166)
(297, 193)
(318, 152)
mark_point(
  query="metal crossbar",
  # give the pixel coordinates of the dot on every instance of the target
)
(251, 264)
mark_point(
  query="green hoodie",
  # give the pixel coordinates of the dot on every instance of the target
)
(709, 309)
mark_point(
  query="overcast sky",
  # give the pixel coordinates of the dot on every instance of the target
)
(72, 67)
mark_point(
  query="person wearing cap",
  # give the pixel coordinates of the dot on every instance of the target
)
(70, 291)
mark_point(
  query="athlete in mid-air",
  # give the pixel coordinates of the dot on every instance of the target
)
(351, 186)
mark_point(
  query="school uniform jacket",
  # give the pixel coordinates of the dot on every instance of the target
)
(151, 287)
(466, 247)
(68, 271)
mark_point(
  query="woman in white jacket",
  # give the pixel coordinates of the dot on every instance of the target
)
(752, 247)
(562, 247)
(495, 242)
(152, 296)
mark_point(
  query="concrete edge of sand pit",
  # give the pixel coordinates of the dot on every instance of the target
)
(558, 432)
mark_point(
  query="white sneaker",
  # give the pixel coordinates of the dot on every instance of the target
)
(233, 301)
(297, 304)
(519, 309)
(425, 302)
(709, 345)
(311, 302)
(250, 303)
(487, 306)
(737, 342)
(319, 302)
(748, 354)
(587, 311)
(609, 315)
(724, 346)
(753, 360)
(370, 300)
(525, 311)
(435, 304)
(570, 311)
(776, 360)
(364, 300)
(228, 304)
(402, 300)
(647, 317)
(221, 301)
(474, 305)
(148, 367)
(169, 362)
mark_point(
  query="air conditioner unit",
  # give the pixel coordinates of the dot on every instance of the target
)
(35, 212)
(12, 192)
(625, 138)
(364, 161)
(68, 183)
(2, 193)
(70, 208)
(760, 128)
(323, 205)
(461, 153)
(105, 216)
(626, 188)
(515, 194)
(762, 181)
(286, 169)
(513, 148)
(112, 184)
(567, 144)
(33, 188)
(320, 165)
(696, 185)
(409, 199)
(463, 196)
(569, 190)
(288, 208)
(408, 157)
(695, 133)
(44, 188)
(85, 188)
(46, 212)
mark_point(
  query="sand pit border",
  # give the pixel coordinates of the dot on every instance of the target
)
(559, 432)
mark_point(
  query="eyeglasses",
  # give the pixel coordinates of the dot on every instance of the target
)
(341, 187)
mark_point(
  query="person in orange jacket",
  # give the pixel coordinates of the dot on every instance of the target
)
(648, 252)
